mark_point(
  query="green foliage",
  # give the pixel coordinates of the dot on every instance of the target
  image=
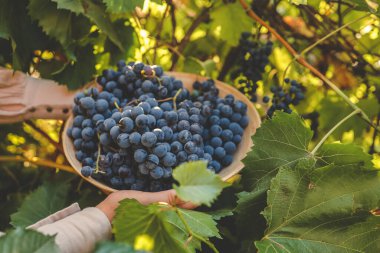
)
(114, 247)
(197, 184)
(327, 207)
(225, 26)
(48, 16)
(75, 74)
(27, 241)
(133, 220)
(282, 141)
(318, 203)
(330, 105)
(47, 199)
(121, 6)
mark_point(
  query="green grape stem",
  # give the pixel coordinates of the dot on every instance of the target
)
(320, 143)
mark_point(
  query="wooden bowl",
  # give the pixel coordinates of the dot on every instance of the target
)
(188, 79)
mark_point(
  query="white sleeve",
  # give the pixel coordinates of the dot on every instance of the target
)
(76, 231)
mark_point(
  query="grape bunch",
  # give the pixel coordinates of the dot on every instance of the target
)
(142, 124)
(283, 98)
(252, 59)
(226, 120)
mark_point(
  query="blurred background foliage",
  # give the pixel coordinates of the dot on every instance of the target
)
(73, 41)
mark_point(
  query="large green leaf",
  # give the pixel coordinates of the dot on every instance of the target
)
(327, 209)
(55, 23)
(133, 219)
(97, 14)
(122, 6)
(24, 34)
(71, 5)
(27, 241)
(197, 184)
(223, 21)
(281, 141)
(47, 199)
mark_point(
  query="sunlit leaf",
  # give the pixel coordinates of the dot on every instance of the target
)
(223, 22)
(133, 219)
(197, 184)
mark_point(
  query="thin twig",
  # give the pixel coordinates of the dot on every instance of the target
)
(185, 40)
(303, 62)
(44, 134)
(320, 143)
(37, 161)
(159, 29)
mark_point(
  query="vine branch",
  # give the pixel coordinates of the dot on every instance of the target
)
(303, 62)
(44, 134)
(37, 161)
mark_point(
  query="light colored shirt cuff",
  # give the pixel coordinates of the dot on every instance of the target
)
(76, 231)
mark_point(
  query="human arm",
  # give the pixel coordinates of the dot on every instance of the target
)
(78, 231)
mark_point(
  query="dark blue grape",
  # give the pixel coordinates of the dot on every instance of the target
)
(160, 150)
(123, 140)
(148, 139)
(86, 171)
(140, 155)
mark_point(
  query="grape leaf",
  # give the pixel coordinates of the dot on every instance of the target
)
(122, 6)
(326, 208)
(133, 219)
(343, 154)
(197, 184)
(97, 14)
(227, 29)
(281, 141)
(27, 241)
(55, 23)
(71, 5)
(25, 35)
(201, 224)
(114, 247)
(45, 200)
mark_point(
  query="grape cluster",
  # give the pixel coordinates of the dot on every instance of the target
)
(284, 97)
(252, 60)
(226, 120)
(134, 138)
